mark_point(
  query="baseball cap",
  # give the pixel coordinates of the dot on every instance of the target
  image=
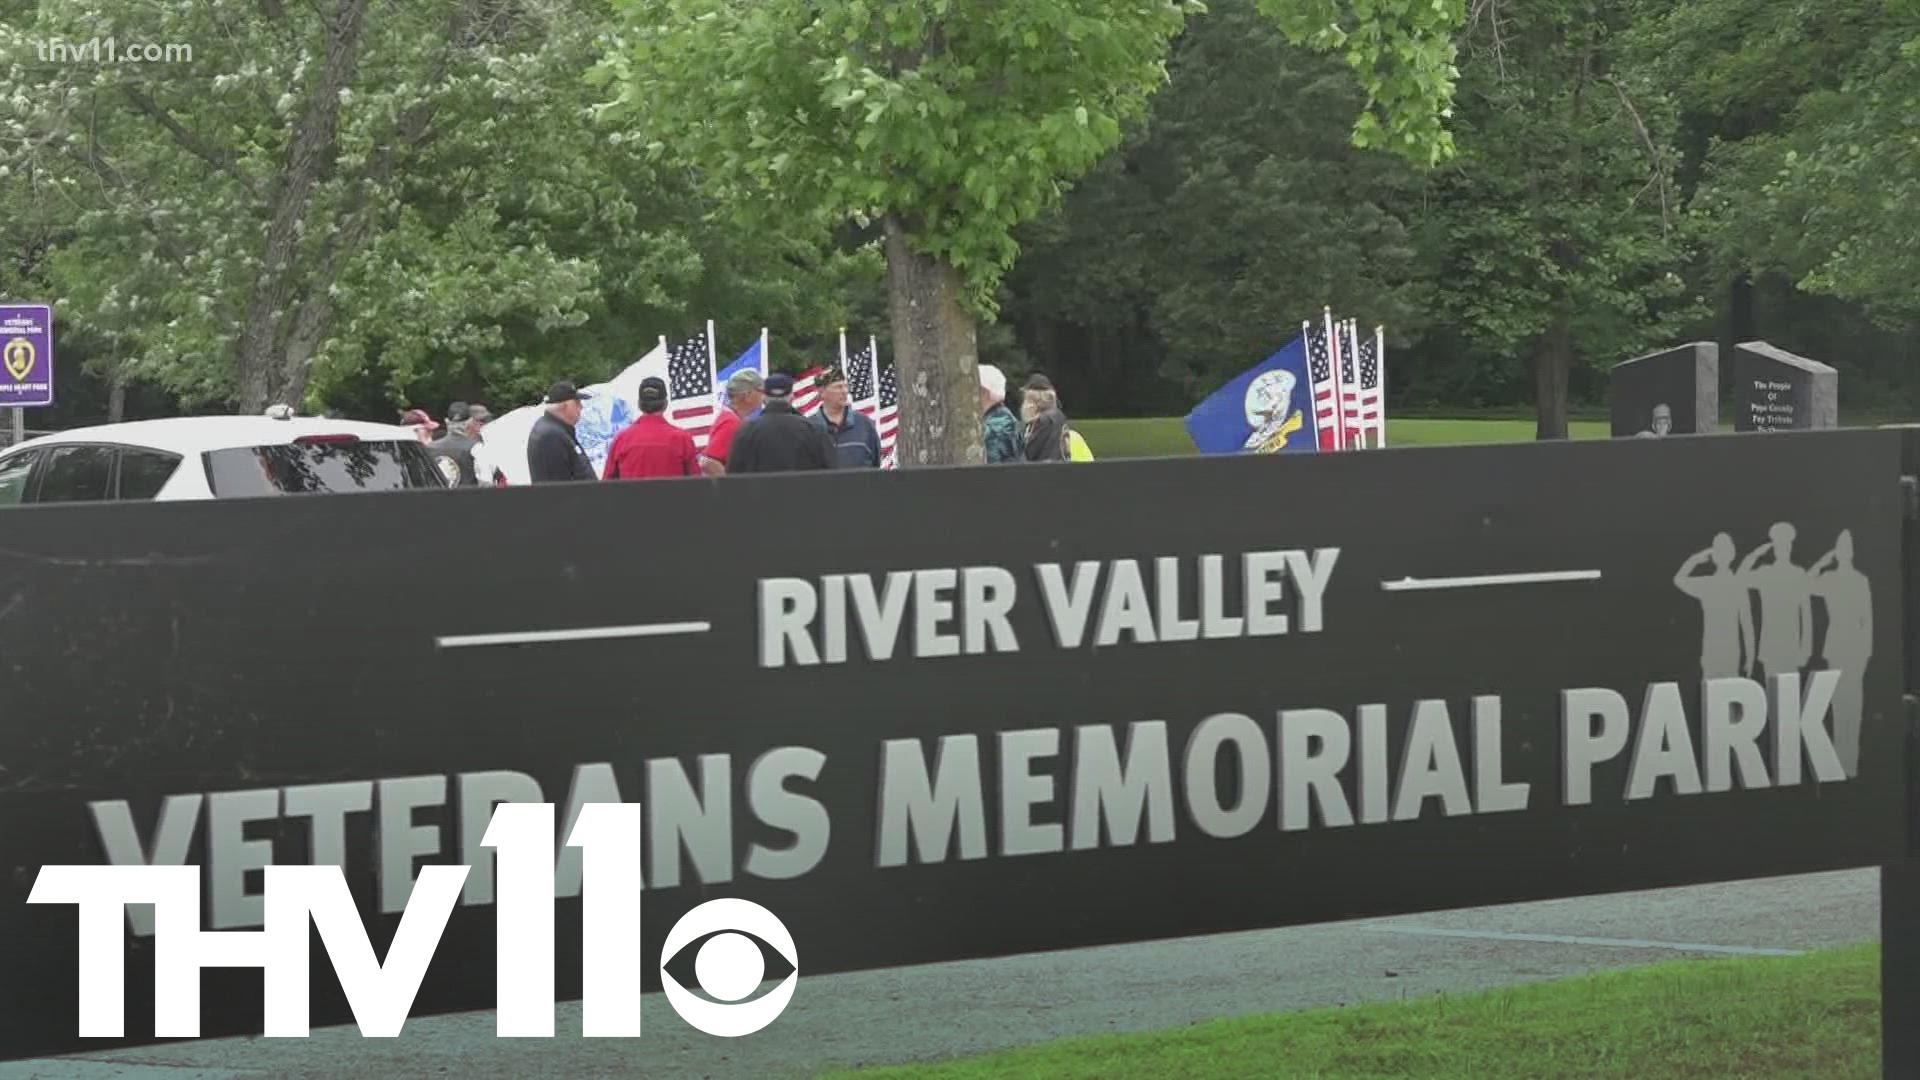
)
(566, 391)
(1037, 381)
(653, 388)
(744, 381)
(479, 413)
(830, 376)
(457, 412)
(417, 418)
(779, 385)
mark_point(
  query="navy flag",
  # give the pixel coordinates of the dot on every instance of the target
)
(1267, 409)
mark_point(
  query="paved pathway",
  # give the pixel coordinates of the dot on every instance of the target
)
(974, 1006)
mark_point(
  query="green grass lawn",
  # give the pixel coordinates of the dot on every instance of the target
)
(1166, 436)
(1813, 1016)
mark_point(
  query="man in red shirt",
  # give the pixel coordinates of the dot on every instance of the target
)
(651, 446)
(746, 390)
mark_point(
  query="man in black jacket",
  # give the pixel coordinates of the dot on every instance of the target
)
(453, 452)
(780, 439)
(553, 451)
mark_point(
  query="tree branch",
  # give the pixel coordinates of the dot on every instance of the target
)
(1490, 9)
(1659, 178)
(193, 144)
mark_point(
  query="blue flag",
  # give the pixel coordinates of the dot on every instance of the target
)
(751, 360)
(1267, 409)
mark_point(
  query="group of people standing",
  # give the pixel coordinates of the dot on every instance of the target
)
(758, 431)
(1040, 432)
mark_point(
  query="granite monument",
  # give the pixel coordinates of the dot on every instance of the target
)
(1774, 390)
(1674, 392)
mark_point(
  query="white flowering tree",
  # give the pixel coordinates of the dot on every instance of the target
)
(322, 185)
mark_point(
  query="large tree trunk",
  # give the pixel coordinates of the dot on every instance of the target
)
(267, 373)
(935, 348)
(1552, 362)
(116, 394)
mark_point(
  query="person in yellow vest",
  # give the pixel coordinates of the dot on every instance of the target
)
(1077, 449)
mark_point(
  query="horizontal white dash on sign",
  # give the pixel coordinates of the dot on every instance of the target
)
(1410, 584)
(584, 633)
(1573, 939)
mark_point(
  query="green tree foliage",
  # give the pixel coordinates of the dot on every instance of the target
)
(373, 205)
(1240, 208)
(952, 122)
(348, 200)
(1821, 183)
(1558, 236)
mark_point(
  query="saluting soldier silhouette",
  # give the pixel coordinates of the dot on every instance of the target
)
(1786, 605)
(1848, 643)
(1726, 613)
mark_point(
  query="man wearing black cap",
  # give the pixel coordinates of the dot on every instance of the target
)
(453, 452)
(652, 446)
(553, 451)
(856, 438)
(780, 439)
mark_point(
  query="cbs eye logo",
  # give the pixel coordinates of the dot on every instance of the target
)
(727, 948)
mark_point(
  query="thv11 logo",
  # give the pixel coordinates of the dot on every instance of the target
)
(728, 968)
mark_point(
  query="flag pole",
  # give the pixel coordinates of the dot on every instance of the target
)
(1380, 358)
(843, 348)
(1339, 389)
(713, 357)
(1306, 343)
(1352, 339)
(766, 361)
(873, 380)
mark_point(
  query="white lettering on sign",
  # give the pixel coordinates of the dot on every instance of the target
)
(1315, 767)
(942, 612)
(688, 809)
(1598, 725)
(1018, 792)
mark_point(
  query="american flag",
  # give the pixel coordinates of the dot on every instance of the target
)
(1326, 407)
(860, 388)
(1350, 384)
(690, 388)
(806, 396)
(888, 416)
(1373, 410)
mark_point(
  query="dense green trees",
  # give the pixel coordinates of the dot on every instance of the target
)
(362, 206)
(947, 124)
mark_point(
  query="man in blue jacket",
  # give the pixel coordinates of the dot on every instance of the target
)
(855, 437)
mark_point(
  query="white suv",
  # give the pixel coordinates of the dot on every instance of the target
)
(214, 457)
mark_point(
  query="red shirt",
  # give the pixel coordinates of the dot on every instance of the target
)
(720, 439)
(651, 447)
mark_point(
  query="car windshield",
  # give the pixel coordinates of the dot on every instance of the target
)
(308, 468)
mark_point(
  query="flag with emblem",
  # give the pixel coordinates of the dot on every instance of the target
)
(888, 417)
(1266, 409)
(1326, 395)
(806, 392)
(1373, 386)
(690, 388)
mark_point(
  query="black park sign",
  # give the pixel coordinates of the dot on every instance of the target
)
(972, 712)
